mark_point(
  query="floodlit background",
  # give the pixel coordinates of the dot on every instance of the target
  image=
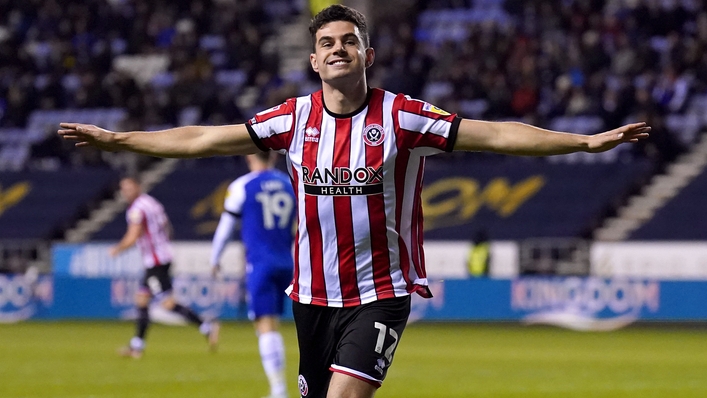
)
(578, 275)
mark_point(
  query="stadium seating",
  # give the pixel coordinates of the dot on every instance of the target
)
(40, 205)
(469, 57)
(681, 218)
(570, 201)
(191, 199)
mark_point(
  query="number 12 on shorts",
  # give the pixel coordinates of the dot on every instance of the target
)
(381, 340)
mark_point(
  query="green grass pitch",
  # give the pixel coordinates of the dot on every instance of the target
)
(78, 360)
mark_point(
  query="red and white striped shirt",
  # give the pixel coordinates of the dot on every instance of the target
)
(154, 241)
(357, 178)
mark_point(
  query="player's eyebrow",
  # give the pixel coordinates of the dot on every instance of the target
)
(346, 36)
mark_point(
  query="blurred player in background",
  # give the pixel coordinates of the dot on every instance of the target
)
(150, 229)
(263, 204)
(356, 158)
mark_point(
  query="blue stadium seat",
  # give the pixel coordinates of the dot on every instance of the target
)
(682, 218)
(180, 193)
(231, 78)
(570, 203)
(38, 204)
(572, 200)
(685, 127)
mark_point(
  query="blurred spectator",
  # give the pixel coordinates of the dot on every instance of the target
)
(544, 59)
(479, 256)
(663, 147)
(62, 55)
(534, 59)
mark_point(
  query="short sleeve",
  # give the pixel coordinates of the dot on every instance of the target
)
(134, 216)
(235, 197)
(423, 125)
(273, 128)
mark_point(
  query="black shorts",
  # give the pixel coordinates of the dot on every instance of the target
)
(157, 279)
(357, 341)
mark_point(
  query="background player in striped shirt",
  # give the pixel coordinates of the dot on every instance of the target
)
(150, 229)
(263, 204)
(356, 157)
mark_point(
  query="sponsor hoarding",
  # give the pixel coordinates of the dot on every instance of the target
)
(89, 284)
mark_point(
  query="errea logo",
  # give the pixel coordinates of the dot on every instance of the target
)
(311, 134)
(373, 135)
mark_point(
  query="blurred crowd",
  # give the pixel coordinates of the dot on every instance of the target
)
(61, 54)
(530, 60)
(534, 60)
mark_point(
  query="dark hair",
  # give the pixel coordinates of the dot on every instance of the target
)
(132, 177)
(335, 13)
(269, 158)
(263, 156)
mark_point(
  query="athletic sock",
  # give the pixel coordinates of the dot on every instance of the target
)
(272, 355)
(137, 344)
(143, 321)
(205, 328)
(188, 314)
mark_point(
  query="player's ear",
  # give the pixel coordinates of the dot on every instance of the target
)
(370, 56)
(313, 62)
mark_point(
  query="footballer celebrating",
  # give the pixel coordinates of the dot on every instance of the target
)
(356, 157)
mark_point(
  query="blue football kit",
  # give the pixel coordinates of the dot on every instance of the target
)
(263, 203)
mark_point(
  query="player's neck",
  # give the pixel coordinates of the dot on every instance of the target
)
(133, 199)
(345, 99)
(258, 167)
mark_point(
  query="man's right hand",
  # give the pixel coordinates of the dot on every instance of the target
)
(88, 134)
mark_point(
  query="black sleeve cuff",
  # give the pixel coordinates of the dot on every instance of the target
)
(258, 142)
(452, 140)
(237, 215)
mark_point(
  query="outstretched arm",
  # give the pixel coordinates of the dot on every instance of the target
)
(514, 138)
(180, 142)
(222, 236)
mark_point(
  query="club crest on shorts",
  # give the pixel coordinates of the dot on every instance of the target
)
(373, 134)
(302, 384)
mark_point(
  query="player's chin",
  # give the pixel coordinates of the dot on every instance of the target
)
(333, 74)
(340, 76)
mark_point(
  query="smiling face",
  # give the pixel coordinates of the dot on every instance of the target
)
(339, 53)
